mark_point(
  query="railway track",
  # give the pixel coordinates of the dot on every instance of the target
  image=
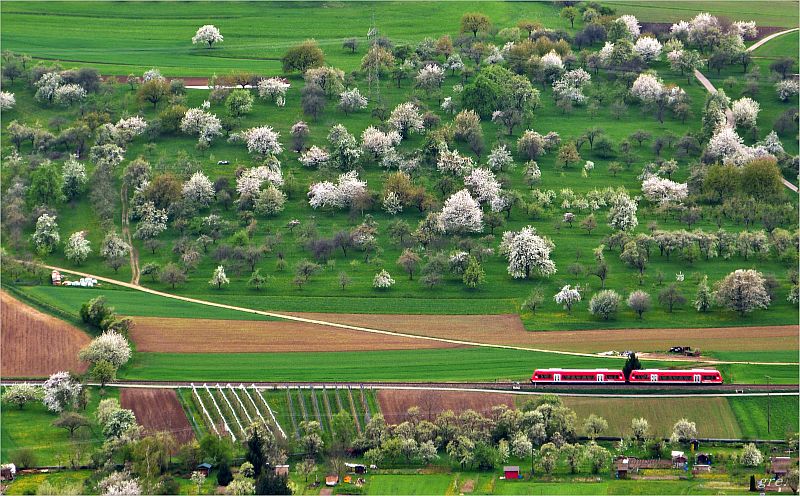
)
(505, 386)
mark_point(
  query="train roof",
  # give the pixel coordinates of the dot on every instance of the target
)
(675, 370)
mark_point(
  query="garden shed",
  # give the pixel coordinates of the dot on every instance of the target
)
(511, 472)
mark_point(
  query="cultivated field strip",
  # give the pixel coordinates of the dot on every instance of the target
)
(241, 404)
(302, 403)
(270, 411)
(367, 415)
(327, 403)
(219, 412)
(228, 410)
(353, 410)
(290, 405)
(251, 401)
(315, 405)
(207, 416)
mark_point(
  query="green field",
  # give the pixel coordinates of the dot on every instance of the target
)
(28, 484)
(32, 428)
(778, 13)
(751, 412)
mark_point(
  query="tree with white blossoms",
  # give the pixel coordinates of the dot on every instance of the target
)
(382, 280)
(326, 194)
(205, 125)
(631, 24)
(7, 100)
(46, 236)
(119, 484)
(483, 184)
(683, 431)
(378, 143)
(250, 181)
(751, 456)
(742, 291)
(60, 391)
(69, 94)
(151, 74)
(130, 127)
(263, 140)
(552, 60)
(152, 223)
(746, 29)
(208, 34)
(430, 77)
(392, 203)
(351, 101)
(622, 215)
(406, 119)
(218, 278)
(20, 395)
(648, 48)
(198, 479)
(199, 190)
(527, 252)
(47, 85)
(78, 248)
(454, 63)
(664, 191)
(787, 89)
(269, 201)
(315, 157)
(110, 346)
(461, 214)
(647, 87)
(73, 177)
(568, 296)
(114, 249)
(452, 162)
(745, 112)
(345, 151)
(273, 88)
(570, 86)
(500, 158)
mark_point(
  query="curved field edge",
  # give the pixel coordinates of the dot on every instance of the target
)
(458, 364)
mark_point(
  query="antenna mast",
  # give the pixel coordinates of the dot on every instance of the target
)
(374, 68)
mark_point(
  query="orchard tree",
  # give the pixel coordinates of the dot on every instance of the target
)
(604, 304)
(302, 57)
(568, 296)
(218, 278)
(109, 346)
(742, 291)
(409, 261)
(683, 431)
(594, 426)
(474, 274)
(671, 297)
(208, 34)
(114, 250)
(239, 102)
(639, 302)
(173, 275)
(461, 213)
(473, 22)
(61, 391)
(71, 421)
(704, 296)
(622, 215)
(73, 176)
(570, 13)
(46, 236)
(153, 91)
(20, 395)
(78, 248)
(527, 252)
(534, 300)
(640, 428)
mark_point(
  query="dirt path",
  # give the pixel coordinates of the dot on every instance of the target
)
(126, 233)
(290, 317)
(729, 113)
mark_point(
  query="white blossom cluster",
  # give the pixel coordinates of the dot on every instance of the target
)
(262, 140)
(483, 184)
(129, 128)
(251, 180)
(274, 88)
(47, 85)
(431, 76)
(153, 221)
(452, 162)
(495, 56)
(648, 48)
(568, 296)
(500, 158)
(461, 213)
(326, 194)
(551, 60)
(60, 391)
(7, 100)
(729, 148)
(110, 346)
(631, 24)
(205, 125)
(647, 87)
(746, 29)
(392, 203)
(315, 157)
(199, 189)
(663, 191)
(352, 100)
(527, 252)
(68, 94)
(152, 74)
(622, 215)
(787, 89)
(570, 85)
(406, 119)
(377, 142)
(208, 34)
(745, 112)
(382, 280)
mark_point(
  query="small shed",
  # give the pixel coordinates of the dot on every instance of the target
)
(511, 472)
(55, 278)
(702, 459)
(779, 465)
(331, 480)
(8, 472)
(679, 459)
(356, 468)
(623, 467)
(204, 468)
(282, 470)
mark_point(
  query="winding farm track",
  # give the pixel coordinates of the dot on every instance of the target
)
(729, 113)
(295, 318)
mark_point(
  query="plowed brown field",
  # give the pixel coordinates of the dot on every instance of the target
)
(158, 410)
(240, 336)
(508, 330)
(35, 344)
(395, 403)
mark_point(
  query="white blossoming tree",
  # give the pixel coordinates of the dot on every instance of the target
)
(483, 184)
(60, 391)
(648, 48)
(527, 253)
(430, 77)
(745, 112)
(500, 158)
(199, 190)
(461, 214)
(663, 191)
(46, 237)
(274, 89)
(208, 34)
(110, 346)
(452, 162)
(570, 86)
(568, 296)
(326, 194)
(263, 140)
(69, 94)
(152, 223)
(7, 100)
(382, 280)
(622, 215)
(406, 119)
(113, 249)
(204, 125)
(352, 101)
(78, 248)
(315, 157)
(73, 177)
(743, 291)
(379, 143)
(218, 278)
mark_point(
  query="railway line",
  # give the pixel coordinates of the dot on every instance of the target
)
(522, 388)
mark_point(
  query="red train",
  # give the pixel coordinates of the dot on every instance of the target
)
(642, 376)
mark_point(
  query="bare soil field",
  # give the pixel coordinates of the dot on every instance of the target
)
(395, 403)
(158, 410)
(508, 330)
(34, 344)
(166, 335)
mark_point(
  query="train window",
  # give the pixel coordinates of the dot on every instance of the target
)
(709, 377)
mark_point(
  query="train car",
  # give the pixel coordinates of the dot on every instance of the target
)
(577, 376)
(688, 376)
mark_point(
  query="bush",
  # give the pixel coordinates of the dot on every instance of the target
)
(604, 304)
(24, 458)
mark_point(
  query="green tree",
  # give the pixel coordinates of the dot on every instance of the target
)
(474, 274)
(239, 102)
(302, 57)
(569, 13)
(631, 364)
(473, 22)
(71, 421)
(45, 188)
